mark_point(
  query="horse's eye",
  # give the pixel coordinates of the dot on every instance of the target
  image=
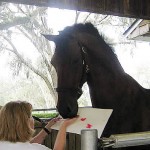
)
(76, 61)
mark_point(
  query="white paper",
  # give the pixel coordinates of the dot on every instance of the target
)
(96, 117)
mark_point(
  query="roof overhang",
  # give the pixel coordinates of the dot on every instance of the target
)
(139, 30)
(126, 8)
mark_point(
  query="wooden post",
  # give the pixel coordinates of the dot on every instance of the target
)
(89, 139)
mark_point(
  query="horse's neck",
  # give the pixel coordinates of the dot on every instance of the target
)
(101, 55)
(105, 71)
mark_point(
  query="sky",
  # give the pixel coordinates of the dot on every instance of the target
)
(4, 70)
(140, 57)
(58, 19)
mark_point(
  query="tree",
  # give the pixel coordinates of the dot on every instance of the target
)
(29, 21)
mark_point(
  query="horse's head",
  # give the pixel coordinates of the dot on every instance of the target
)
(69, 64)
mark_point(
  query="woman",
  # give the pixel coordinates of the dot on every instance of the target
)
(17, 128)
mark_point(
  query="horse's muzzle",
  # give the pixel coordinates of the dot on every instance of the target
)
(68, 112)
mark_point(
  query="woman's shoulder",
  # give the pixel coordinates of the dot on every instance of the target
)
(5, 145)
(41, 147)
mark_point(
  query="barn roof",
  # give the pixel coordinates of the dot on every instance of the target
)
(126, 8)
(139, 30)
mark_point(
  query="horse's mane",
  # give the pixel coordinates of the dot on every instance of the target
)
(68, 32)
(87, 28)
(90, 29)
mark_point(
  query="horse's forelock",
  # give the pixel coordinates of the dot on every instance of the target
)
(85, 28)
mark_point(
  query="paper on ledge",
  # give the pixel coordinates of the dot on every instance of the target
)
(96, 117)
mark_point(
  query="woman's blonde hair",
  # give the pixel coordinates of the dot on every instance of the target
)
(14, 122)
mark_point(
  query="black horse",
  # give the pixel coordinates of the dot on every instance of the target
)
(81, 55)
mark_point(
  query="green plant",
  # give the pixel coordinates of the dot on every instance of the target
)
(45, 115)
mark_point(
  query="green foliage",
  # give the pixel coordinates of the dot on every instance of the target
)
(45, 115)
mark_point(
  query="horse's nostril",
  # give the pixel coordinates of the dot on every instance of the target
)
(69, 109)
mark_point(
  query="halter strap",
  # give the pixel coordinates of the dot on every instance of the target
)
(84, 57)
(79, 90)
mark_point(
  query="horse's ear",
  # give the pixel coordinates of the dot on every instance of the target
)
(50, 37)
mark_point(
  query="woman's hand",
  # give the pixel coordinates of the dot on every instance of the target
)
(52, 122)
(69, 121)
(66, 122)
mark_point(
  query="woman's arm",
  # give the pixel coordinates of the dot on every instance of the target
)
(61, 136)
(39, 138)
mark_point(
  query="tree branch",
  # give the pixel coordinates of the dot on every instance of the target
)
(30, 66)
(15, 22)
(20, 20)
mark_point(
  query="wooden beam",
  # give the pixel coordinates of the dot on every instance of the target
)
(125, 8)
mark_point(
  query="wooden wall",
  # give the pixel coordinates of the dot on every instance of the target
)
(73, 141)
(127, 8)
